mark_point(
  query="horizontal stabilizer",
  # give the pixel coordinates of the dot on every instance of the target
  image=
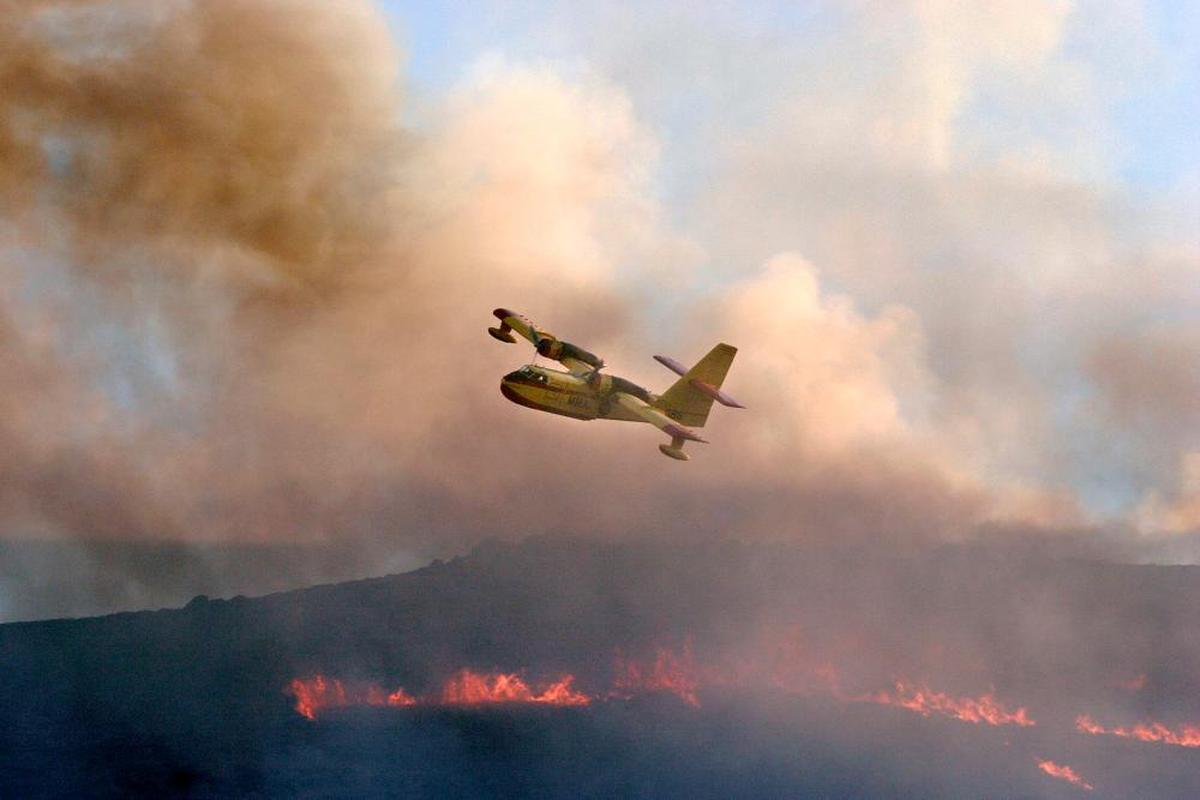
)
(671, 364)
(680, 432)
(677, 432)
(715, 393)
(690, 398)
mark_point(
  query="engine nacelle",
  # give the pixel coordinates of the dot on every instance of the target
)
(557, 350)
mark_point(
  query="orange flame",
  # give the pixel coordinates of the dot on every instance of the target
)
(400, 698)
(1065, 773)
(319, 693)
(927, 702)
(673, 672)
(316, 693)
(669, 673)
(469, 688)
(1186, 735)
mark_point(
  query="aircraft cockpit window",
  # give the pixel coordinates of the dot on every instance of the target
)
(531, 374)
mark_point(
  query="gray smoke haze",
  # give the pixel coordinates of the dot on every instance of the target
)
(244, 299)
(775, 652)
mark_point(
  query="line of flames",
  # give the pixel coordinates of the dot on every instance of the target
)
(1063, 772)
(926, 702)
(679, 674)
(1183, 736)
(667, 672)
(464, 688)
(916, 697)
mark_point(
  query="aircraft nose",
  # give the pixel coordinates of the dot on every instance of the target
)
(509, 392)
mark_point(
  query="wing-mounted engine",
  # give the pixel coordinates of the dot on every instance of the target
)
(573, 357)
(558, 350)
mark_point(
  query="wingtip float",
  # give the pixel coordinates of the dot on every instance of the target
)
(582, 392)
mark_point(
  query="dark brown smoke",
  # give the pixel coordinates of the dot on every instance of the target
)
(239, 296)
(262, 133)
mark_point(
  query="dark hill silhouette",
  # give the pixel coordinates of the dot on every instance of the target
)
(191, 702)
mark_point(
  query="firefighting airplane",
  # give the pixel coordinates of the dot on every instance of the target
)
(583, 393)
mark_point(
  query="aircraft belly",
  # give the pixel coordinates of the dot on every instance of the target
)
(552, 400)
(617, 412)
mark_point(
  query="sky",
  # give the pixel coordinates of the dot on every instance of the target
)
(1155, 119)
(248, 253)
(1126, 75)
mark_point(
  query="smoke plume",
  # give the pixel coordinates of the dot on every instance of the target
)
(244, 291)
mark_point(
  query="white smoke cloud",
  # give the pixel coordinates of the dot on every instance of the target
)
(243, 303)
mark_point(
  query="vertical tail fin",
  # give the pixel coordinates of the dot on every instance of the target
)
(690, 398)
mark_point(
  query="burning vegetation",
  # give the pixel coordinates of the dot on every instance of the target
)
(667, 672)
(927, 702)
(1063, 772)
(678, 672)
(1185, 735)
(726, 672)
(464, 688)
(664, 672)
(318, 693)
(470, 688)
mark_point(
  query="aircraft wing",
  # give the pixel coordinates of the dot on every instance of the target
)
(512, 321)
(579, 361)
(577, 368)
(657, 418)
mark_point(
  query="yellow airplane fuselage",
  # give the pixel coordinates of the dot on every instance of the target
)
(563, 393)
(583, 392)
